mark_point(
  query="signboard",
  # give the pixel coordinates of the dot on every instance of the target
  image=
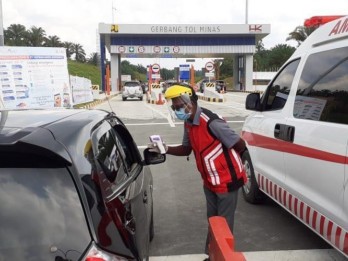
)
(34, 77)
(155, 68)
(209, 66)
(184, 71)
(209, 74)
(81, 89)
(126, 77)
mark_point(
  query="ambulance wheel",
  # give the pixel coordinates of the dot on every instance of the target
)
(251, 192)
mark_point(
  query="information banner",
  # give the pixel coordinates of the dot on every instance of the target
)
(34, 77)
(81, 89)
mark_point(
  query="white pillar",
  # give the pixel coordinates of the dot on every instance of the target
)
(249, 72)
(115, 72)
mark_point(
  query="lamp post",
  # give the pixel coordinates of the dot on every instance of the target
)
(246, 11)
(1, 26)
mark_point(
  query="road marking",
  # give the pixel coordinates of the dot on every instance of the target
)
(288, 255)
(168, 117)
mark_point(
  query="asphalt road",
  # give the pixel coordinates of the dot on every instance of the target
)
(179, 204)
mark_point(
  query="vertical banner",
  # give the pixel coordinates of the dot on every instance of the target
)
(81, 89)
(184, 72)
(34, 77)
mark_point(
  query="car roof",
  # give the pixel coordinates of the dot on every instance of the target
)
(59, 134)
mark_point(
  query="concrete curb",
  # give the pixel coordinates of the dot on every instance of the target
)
(92, 104)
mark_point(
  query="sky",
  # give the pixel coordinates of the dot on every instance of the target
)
(77, 20)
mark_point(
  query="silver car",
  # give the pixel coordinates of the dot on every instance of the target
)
(132, 89)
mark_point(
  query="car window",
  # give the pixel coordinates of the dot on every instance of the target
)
(108, 154)
(322, 94)
(131, 84)
(40, 214)
(277, 92)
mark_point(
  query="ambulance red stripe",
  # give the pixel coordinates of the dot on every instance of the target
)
(279, 145)
(318, 222)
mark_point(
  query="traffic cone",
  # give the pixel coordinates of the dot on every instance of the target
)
(160, 101)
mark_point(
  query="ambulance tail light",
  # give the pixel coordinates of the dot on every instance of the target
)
(320, 20)
(96, 254)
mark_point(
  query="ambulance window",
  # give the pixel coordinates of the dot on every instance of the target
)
(322, 93)
(278, 91)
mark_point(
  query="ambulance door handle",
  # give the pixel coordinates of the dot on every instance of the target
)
(284, 132)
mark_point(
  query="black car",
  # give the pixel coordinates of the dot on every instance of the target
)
(73, 186)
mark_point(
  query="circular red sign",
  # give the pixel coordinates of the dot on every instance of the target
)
(156, 49)
(155, 68)
(209, 66)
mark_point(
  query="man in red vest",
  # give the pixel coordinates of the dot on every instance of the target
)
(216, 148)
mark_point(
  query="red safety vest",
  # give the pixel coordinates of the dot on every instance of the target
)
(221, 168)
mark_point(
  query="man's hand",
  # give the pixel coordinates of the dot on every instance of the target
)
(154, 148)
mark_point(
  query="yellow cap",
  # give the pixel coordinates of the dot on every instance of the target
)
(176, 91)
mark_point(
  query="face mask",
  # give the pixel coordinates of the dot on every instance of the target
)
(182, 115)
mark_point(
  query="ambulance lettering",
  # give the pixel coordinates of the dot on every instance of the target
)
(340, 28)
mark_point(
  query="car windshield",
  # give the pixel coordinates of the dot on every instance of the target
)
(131, 84)
(41, 215)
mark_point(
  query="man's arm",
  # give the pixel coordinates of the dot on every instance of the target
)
(179, 150)
(239, 146)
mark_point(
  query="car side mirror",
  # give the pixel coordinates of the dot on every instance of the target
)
(151, 158)
(252, 102)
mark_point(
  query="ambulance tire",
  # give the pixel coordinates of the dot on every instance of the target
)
(251, 192)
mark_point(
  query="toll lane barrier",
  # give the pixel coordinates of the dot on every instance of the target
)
(221, 241)
(210, 99)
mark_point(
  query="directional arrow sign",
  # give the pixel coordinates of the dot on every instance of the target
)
(209, 66)
(155, 68)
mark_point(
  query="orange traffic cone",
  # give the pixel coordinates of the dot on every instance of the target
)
(160, 101)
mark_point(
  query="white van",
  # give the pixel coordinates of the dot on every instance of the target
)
(297, 136)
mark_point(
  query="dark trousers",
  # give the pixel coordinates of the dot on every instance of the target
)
(221, 204)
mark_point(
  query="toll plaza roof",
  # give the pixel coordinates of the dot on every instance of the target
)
(180, 40)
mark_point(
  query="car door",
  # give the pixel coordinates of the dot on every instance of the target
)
(264, 133)
(316, 159)
(122, 191)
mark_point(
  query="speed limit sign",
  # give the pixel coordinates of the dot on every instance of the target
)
(209, 66)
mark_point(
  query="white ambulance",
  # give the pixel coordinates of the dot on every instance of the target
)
(297, 136)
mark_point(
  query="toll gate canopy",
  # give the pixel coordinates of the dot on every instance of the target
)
(181, 41)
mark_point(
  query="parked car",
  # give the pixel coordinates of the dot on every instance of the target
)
(220, 86)
(297, 150)
(132, 89)
(73, 186)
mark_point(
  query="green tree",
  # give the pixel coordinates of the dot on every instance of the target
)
(300, 34)
(261, 58)
(279, 54)
(36, 36)
(79, 52)
(69, 49)
(53, 41)
(226, 68)
(15, 35)
(94, 59)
